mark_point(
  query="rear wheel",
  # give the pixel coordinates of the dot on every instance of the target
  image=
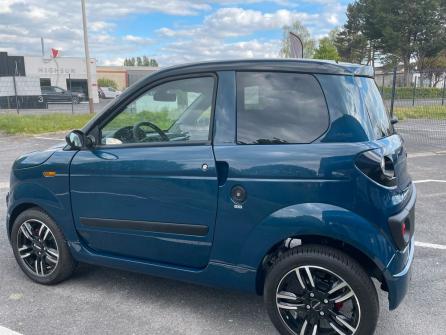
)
(76, 100)
(40, 247)
(319, 290)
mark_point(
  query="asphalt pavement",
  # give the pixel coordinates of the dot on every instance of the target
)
(98, 300)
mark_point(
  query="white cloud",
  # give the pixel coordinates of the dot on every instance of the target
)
(101, 26)
(224, 32)
(227, 22)
(117, 8)
(115, 61)
(138, 39)
(211, 49)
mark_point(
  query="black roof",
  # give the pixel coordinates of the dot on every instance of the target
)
(293, 65)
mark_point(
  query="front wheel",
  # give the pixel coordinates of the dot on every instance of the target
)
(315, 289)
(40, 247)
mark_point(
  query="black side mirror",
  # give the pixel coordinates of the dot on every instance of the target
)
(77, 140)
(394, 120)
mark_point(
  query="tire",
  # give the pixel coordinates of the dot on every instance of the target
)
(76, 100)
(310, 304)
(46, 269)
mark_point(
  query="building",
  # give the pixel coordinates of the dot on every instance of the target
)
(69, 73)
(21, 78)
(124, 76)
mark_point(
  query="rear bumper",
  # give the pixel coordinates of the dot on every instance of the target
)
(399, 270)
(398, 284)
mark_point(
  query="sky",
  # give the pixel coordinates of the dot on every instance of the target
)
(171, 31)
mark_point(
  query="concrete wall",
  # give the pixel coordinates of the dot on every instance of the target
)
(124, 76)
(6, 87)
(26, 86)
(117, 74)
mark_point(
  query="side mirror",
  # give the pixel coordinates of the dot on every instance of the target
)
(77, 140)
(394, 120)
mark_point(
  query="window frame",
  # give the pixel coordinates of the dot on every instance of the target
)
(96, 130)
(280, 72)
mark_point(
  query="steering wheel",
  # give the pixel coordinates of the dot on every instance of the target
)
(137, 131)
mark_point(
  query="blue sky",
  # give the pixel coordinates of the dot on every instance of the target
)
(172, 31)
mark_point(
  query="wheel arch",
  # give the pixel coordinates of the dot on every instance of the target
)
(16, 211)
(366, 262)
(55, 205)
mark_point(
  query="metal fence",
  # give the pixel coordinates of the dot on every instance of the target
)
(29, 95)
(418, 100)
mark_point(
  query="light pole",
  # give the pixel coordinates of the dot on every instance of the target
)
(87, 58)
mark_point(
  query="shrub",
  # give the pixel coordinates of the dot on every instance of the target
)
(104, 82)
(407, 93)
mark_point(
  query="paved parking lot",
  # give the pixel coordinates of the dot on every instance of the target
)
(104, 301)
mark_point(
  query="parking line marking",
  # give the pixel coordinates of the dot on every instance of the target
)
(429, 181)
(7, 331)
(49, 138)
(426, 154)
(430, 245)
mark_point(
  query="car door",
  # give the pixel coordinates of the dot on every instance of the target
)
(61, 95)
(148, 189)
(48, 93)
(272, 163)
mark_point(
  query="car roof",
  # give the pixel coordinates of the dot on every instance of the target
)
(283, 64)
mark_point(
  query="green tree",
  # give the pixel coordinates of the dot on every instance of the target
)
(300, 30)
(402, 31)
(105, 82)
(326, 50)
(140, 61)
(145, 61)
(433, 68)
(350, 42)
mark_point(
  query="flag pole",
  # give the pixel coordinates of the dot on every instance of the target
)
(87, 58)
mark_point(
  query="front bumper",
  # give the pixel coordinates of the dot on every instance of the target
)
(399, 269)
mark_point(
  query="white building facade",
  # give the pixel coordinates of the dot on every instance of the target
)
(66, 72)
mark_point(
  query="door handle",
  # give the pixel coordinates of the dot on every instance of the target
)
(222, 172)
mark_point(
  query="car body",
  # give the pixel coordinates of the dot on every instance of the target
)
(108, 92)
(236, 186)
(54, 94)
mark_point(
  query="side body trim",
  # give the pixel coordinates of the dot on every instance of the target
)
(159, 227)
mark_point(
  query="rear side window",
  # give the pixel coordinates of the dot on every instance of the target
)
(275, 108)
(374, 104)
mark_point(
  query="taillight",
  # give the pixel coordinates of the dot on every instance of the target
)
(377, 167)
(401, 230)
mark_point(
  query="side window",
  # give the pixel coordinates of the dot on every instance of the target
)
(274, 108)
(375, 107)
(175, 111)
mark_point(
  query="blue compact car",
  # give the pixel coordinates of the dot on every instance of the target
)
(284, 178)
